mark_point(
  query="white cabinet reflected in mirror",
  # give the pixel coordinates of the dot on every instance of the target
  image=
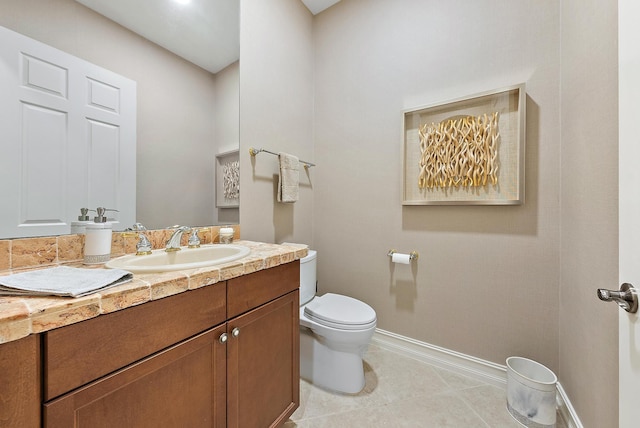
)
(186, 115)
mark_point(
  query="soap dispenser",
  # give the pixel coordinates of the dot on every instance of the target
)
(80, 226)
(97, 241)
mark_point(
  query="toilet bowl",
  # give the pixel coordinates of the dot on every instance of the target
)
(335, 331)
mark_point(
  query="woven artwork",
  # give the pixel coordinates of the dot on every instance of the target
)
(459, 152)
(231, 179)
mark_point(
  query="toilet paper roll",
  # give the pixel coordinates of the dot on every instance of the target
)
(404, 259)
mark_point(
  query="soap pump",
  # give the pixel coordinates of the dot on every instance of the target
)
(97, 241)
(80, 226)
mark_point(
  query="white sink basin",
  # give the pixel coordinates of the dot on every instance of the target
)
(186, 258)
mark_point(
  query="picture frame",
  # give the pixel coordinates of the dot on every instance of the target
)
(466, 151)
(227, 179)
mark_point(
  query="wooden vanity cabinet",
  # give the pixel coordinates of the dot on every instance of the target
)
(240, 370)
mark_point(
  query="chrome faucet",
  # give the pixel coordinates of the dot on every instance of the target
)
(173, 243)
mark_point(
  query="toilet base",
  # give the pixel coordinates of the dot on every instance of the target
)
(336, 370)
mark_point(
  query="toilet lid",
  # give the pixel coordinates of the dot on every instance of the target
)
(338, 310)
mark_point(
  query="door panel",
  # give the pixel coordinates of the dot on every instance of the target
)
(44, 166)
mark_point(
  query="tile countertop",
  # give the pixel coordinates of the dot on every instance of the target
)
(22, 316)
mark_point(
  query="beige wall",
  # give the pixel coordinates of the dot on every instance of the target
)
(589, 221)
(227, 107)
(491, 281)
(486, 283)
(175, 126)
(227, 125)
(276, 113)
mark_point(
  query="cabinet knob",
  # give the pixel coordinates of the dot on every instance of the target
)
(223, 338)
(235, 332)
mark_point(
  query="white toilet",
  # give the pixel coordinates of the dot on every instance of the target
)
(335, 332)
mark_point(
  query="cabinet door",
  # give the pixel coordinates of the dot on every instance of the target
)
(182, 386)
(263, 366)
(20, 383)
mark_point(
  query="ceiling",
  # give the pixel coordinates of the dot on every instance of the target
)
(204, 32)
(317, 6)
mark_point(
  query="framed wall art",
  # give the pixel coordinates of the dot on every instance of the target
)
(228, 180)
(468, 151)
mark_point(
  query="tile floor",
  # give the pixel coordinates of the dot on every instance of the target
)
(403, 392)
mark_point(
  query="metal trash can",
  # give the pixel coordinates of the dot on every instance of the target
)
(531, 393)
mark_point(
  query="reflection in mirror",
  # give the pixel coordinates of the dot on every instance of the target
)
(186, 114)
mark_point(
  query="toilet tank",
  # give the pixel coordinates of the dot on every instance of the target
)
(308, 277)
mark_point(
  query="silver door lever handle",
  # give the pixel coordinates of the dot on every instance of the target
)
(626, 298)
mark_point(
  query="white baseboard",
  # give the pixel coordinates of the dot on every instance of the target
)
(567, 412)
(485, 371)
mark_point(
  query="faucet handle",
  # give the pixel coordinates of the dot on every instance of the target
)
(194, 239)
(143, 247)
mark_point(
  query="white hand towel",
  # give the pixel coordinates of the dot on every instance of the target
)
(289, 178)
(62, 281)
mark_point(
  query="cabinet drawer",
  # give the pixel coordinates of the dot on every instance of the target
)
(80, 353)
(250, 291)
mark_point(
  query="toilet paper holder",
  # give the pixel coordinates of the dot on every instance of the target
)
(412, 255)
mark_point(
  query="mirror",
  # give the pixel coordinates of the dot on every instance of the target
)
(186, 114)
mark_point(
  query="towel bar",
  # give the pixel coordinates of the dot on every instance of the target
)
(254, 152)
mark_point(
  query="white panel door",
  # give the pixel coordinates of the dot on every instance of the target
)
(629, 206)
(35, 129)
(109, 125)
(68, 135)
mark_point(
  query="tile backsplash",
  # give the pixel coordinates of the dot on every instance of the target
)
(25, 253)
